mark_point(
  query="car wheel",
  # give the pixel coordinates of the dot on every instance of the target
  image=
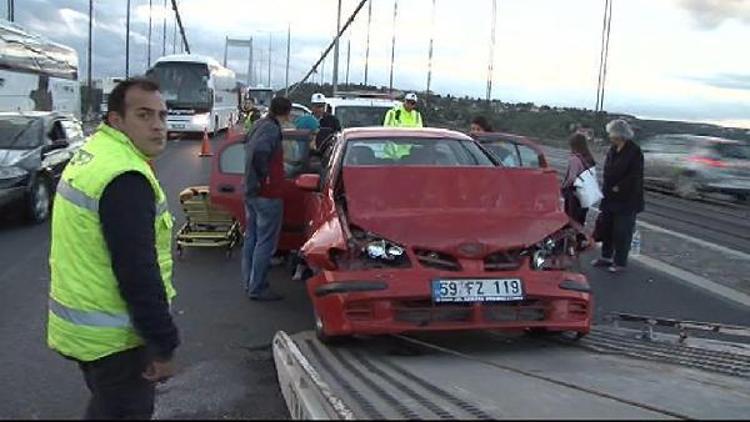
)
(325, 338)
(39, 201)
(686, 187)
(216, 127)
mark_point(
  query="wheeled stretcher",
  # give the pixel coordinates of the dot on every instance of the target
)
(205, 224)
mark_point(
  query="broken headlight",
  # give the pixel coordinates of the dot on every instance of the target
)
(558, 252)
(368, 250)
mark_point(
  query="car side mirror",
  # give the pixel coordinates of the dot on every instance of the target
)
(308, 182)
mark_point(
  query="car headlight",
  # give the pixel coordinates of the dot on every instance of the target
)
(370, 251)
(382, 249)
(12, 172)
(200, 119)
(555, 253)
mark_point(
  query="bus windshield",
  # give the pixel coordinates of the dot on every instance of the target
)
(261, 97)
(183, 85)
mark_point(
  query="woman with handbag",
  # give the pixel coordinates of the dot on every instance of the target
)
(580, 161)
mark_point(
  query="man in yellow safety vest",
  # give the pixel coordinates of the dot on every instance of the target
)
(111, 259)
(404, 115)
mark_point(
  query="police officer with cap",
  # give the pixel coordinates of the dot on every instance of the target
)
(329, 124)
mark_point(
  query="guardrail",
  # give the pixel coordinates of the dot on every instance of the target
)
(683, 326)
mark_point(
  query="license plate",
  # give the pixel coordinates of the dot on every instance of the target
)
(178, 126)
(498, 290)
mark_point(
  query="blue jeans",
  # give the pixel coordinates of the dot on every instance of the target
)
(264, 217)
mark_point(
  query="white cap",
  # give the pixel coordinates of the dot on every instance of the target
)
(318, 98)
(411, 97)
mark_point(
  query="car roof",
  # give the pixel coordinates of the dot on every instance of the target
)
(361, 102)
(37, 114)
(301, 106)
(385, 132)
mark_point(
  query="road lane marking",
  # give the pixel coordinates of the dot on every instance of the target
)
(694, 279)
(704, 243)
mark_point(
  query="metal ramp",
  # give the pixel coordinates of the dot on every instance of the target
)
(613, 374)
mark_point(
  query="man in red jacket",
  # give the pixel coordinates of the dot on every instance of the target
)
(264, 175)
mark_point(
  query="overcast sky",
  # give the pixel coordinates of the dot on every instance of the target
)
(670, 59)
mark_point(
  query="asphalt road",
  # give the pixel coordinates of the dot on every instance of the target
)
(226, 367)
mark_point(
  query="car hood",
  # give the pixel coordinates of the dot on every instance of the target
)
(9, 157)
(445, 207)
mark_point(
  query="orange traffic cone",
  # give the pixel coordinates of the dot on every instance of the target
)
(206, 145)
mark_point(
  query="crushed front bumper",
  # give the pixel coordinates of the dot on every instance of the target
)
(398, 301)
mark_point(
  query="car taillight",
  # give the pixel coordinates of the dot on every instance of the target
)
(707, 161)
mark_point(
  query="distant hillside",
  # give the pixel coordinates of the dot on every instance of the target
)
(551, 123)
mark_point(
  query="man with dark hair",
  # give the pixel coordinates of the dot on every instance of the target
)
(111, 259)
(264, 175)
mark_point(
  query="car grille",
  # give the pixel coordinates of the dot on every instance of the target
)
(503, 261)
(425, 312)
(422, 312)
(438, 260)
(527, 310)
(359, 311)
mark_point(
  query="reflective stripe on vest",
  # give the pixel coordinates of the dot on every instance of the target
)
(79, 198)
(90, 318)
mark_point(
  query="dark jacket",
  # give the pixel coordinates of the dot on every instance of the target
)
(264, 165)
(127, 211)
(623, 170)
(330, 121)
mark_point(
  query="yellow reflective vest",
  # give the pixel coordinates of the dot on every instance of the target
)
(87, 317)
(400, 117)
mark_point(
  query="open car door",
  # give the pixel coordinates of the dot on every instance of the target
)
(228, 187)
(513, 150)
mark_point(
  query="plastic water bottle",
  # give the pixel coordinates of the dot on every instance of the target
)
(635, 246)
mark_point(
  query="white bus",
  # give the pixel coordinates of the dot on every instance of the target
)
(200, 93)
(37, 74)
(107, 85)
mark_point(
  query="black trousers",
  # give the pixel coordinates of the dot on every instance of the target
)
(118, 389)
(618, 234)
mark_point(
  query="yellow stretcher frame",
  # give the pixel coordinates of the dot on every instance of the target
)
(206, 226)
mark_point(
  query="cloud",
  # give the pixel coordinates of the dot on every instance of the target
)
(726, 81)
(710, 14)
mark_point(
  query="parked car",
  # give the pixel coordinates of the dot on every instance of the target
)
(443, 238)
(692, 165)
(228, 191)
(34, 149)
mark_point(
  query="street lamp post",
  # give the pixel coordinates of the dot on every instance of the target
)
(150, 12)
(89, 94)
(335, 77)
(127, 42)
(164, 32)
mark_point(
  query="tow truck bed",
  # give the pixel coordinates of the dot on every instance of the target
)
(612, 374)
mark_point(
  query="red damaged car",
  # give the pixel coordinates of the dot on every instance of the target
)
(424, 230)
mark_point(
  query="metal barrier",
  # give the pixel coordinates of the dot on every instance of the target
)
(683, 326)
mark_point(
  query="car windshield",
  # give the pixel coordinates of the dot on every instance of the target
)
(359, 116)
(183, 85)
(19, 132)
(734, 151)
(439, 152)
(261, 97)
